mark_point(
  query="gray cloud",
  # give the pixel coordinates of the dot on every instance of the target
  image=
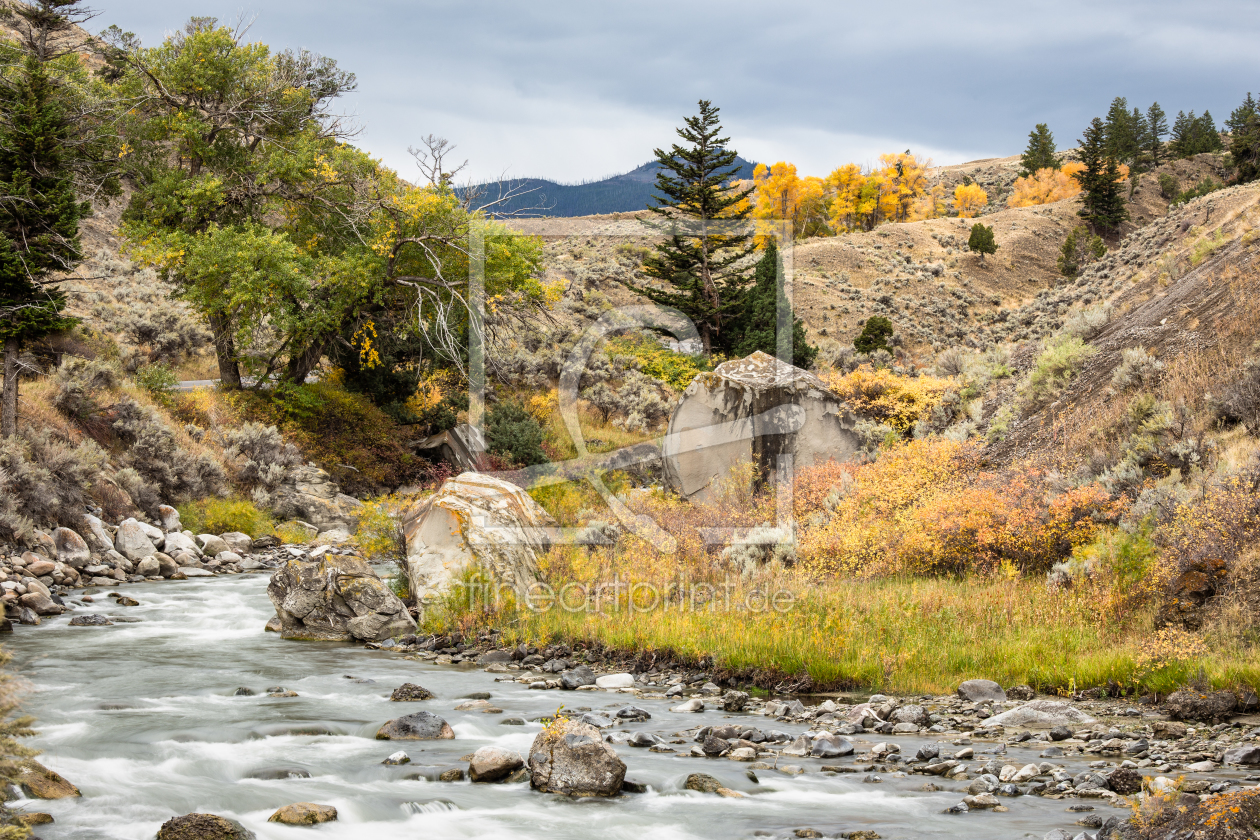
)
(574, 90)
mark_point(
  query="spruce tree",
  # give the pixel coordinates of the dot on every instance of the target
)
(1239, 118)
(40, 211)
(1121, 134)
(1244, 142)
(766, 313)
(1156, 129)
(981, 240)
(1101, 199)
(1040, 151)
(1179, 141)
(699, 261)
(1209, 139)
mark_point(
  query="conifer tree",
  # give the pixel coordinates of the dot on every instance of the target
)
(766, 313)
(1122, 135)
(1244, 141)
(1209, 138)
(981, 240)
(699, 261)
(1240, 116)
(1040, 151)
(1101, 199)
(1179, 140)
(1156, 129)
(39, 208)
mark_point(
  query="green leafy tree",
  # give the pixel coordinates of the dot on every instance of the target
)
(700, 260)
(50, 149)
(1101, 199)
(1040, 153)
(1156, 130)
(766, 313)
(874, 336)
(1080, 248)
(982, 240)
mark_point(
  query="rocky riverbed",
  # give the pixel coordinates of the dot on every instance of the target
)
(183, 705)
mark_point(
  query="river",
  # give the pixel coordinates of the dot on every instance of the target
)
(143, 717)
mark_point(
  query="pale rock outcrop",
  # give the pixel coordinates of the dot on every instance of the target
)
(235, 541)
(310, 494)
(1040, 713)
(336, 598)
(177, 542)
(754, 409)
(132, 542)
(475, 521)
(156, 535)
(211, 544)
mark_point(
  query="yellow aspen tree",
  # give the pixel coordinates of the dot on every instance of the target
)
(969, 200)
(777, 194)
(845, 186)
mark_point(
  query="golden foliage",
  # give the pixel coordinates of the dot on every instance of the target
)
(881, 395)
(969, 200)
(1046, 186)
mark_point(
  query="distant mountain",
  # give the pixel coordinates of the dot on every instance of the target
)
(618, 194)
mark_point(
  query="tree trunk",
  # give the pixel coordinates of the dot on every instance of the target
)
(9, 400)
(225, 351)
(302, 363)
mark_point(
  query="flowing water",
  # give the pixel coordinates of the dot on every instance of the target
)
(142, 717)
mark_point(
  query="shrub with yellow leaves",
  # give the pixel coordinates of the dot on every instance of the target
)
(886, 397)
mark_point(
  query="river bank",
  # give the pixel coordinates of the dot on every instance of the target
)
(146, 716)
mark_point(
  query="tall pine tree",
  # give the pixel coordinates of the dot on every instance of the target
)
(1122, 138)
(700, 259)
(1040, 152)
(1101, 199)
(766, 319)
(1156, 130)
(1244, 140)
(39, 208)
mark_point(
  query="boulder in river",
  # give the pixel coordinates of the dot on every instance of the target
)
(336, 598)
(409, 692)
(704, 783)
(41, 604)
(490, 764)
(203, 827)
(570, 757)
(420, 726)
(169, 517)
(475, 522)
(93, 620)
(304, 813)
(1208, 707)
(753, 409)
(575, 678)
(1040, 714)
(38, 782)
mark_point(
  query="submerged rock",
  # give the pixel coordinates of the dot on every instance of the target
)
(421, 726)
(304, 813)
(203, 827)
(569, 757)
(410, 691)
(336, 598)
(475, 522)
(38, 782)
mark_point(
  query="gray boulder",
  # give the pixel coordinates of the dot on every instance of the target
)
(336, 598)
(1041, 714)
(132, 542)
(212, 544)
(156, 535)
(1243, 755)
(148, 567)
(177, 542)
(977, 690)
(71, 549)
(575, 678)
(490, 764)
(203, 827)
(1208, 707)
(916, 715)
(753, 409)
(41, 604)
(734, 701)
(169, 517)
(420, 726)
(569, 757)
(236, 541)
(97, 530)
(167, 567)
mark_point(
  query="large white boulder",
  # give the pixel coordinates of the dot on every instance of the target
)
(753, 409)
(475, 521)
(1041, 714)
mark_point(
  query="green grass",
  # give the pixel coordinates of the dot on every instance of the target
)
(219, 516)
(908, 636)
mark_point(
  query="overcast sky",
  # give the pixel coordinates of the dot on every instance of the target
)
(580, 90)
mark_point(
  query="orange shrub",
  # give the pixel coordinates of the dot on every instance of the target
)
(926, 508)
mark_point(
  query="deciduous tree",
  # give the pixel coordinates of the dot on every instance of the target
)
(969, 200)
(1046, 186)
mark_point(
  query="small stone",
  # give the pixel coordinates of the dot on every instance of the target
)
(93, 620)
(695, 704)
(615, 681)
(399, 757)
(304, 813)
(455, 775)
(203, 827)
(490, 764)
(421, 726)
